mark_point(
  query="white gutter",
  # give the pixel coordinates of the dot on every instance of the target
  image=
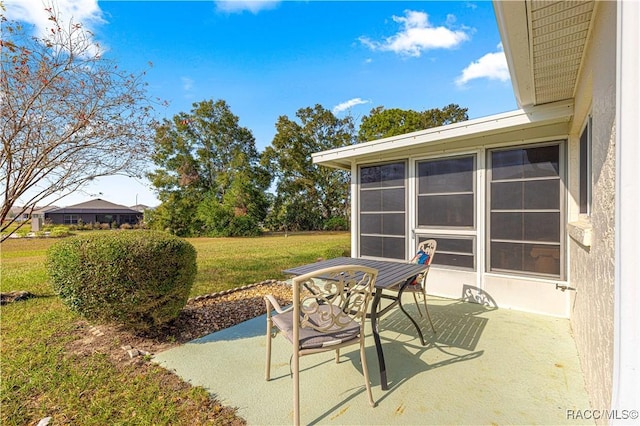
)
(513, 25)
(626, 345)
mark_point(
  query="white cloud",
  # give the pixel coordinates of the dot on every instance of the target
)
(348, 104)
(253, 6)
(492, 66)
(85, 12)
(417, 35)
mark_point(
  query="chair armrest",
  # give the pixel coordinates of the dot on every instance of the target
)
(272, 303)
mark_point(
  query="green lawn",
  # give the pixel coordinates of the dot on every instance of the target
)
(40, 378)
(225, 263)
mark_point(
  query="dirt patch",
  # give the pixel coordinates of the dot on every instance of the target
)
(201, 316)
(14, 296)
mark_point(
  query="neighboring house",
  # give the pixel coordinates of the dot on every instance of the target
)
(94, 211)
(38, 217)
(16, 211)
(534, 209)
(38, 213)
(140, 207)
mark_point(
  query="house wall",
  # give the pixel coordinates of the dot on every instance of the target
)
(506, 290)
(591, 245)
(58, 218)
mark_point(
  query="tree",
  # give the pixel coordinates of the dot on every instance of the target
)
(308, 195)
(384, 123)
(68, 116)
(208, 175)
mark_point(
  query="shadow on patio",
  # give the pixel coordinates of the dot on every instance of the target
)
(484, 366)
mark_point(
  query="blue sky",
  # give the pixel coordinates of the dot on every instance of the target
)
(271, 58)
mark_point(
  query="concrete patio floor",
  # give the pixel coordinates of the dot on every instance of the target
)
(484, 366)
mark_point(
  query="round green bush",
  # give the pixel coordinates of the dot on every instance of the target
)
(138, 279)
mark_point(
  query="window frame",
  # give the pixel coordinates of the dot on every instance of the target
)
(70, 219)
(106, 218)
(469, 233)
(473, 192)
(562, 208)
(440, 250)
(585, 179)
(405, 211)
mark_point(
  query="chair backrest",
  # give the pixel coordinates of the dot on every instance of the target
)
(330, 299)
(426, 249)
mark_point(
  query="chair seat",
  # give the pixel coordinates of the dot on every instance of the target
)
(329, 306)
(413, 288)
(311, 338)
(416, 286)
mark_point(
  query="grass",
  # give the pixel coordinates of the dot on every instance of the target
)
(225, 263)
(40, 378)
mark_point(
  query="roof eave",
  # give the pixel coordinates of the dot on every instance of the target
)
(513, 25)
(344, 157)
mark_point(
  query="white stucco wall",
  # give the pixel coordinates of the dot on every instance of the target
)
(592, 270)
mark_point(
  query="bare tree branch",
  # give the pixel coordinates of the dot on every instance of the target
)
(68, 116)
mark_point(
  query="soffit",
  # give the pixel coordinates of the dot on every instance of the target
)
(559, 37)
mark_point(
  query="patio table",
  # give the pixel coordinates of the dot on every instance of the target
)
(390, 274)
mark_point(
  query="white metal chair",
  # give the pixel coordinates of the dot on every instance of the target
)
(329, 310)
(426, 252)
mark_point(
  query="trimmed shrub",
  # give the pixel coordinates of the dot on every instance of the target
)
(59, 231)
(139, 280)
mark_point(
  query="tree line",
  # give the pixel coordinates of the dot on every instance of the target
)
(212, 181)
(69, 115)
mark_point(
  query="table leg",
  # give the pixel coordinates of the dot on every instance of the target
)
(376, 338)
(402, 287)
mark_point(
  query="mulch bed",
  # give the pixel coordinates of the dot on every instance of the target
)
(201, 316)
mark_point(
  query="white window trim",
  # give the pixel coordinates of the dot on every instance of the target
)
(563, 164)
(355, 197)
(473, 232)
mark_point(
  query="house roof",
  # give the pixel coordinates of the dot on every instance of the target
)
(544, 43)
(140, 207)
(15, 210)
(94, 206)
(42, 210)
